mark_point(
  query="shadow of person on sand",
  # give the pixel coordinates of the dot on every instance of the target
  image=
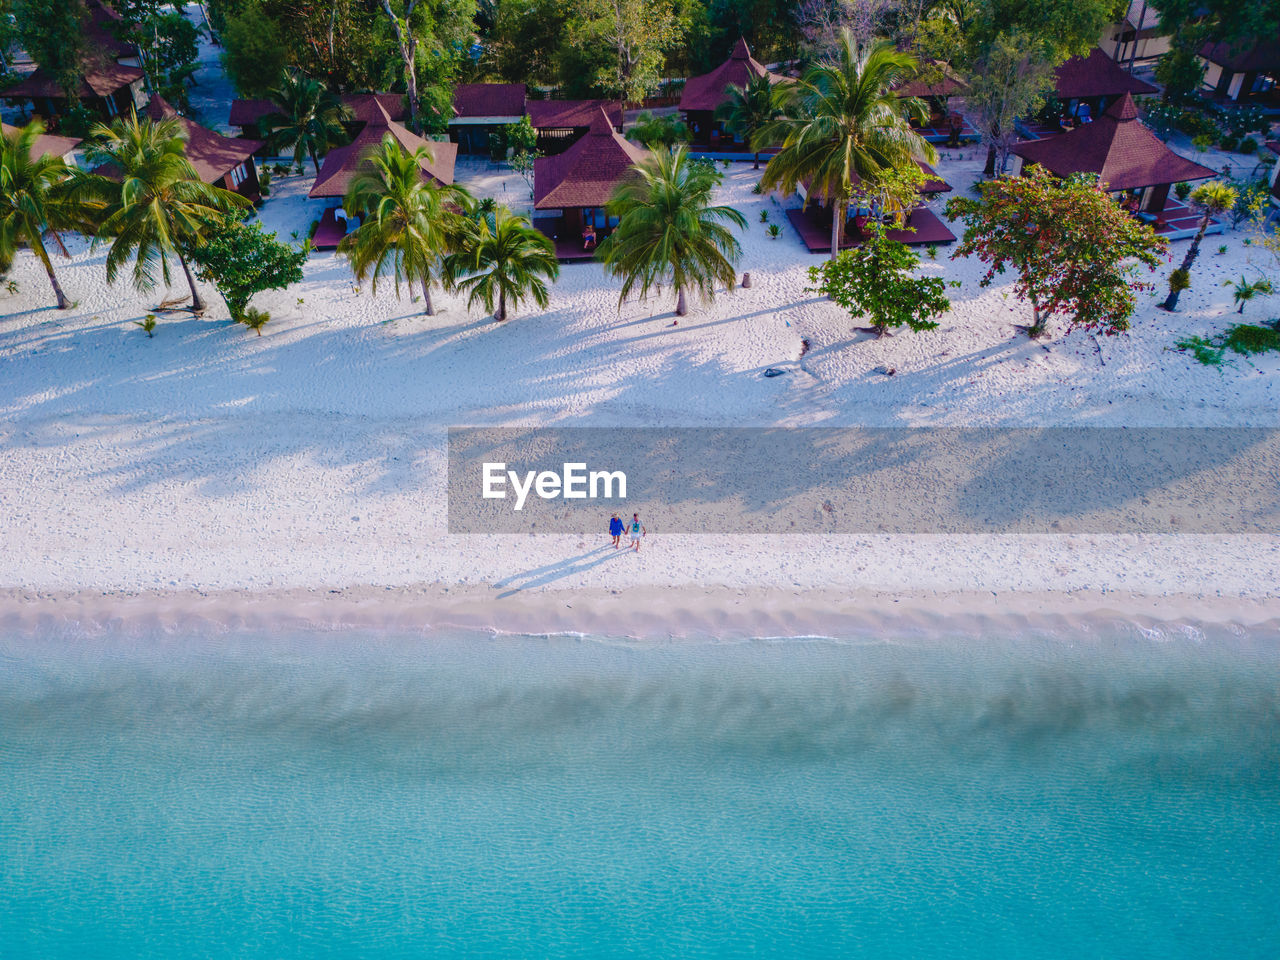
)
(540, 576)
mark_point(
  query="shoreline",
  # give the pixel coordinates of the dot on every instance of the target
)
(641, 613)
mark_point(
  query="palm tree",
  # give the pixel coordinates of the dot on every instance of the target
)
(34, 199)
(748, 109)
(1212, 198)
(502, 260)
(843, 122)
(308, 119)
(408, 219)
(156, 205)
(668, 230)
(659, 130)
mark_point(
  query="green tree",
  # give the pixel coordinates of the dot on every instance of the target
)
(501, 261)
(875, 280)
(156, 206)
(407, 219)
(1009, 80)
(1213, 199)
(659, 131)
(1180, 69)
(167, 41)
(34, 200)
(1074, 250)
(637, 33)
(1068, 27)
(242, 260)
(308, 118)
(669, 232)
(255, 50)
(747, 110)
(52, 34)
(843, 122)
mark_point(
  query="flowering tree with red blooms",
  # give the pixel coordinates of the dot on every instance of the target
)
(1075, 251)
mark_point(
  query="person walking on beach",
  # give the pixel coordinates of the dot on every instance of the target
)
(637, 531)
(615, 531)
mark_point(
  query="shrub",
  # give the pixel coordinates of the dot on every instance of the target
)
(1182, 190)
(1228, 144)
(241, 260)
(774, 231)
(148, 324)
(1248, 145)
(764, 216)
(1242, 339)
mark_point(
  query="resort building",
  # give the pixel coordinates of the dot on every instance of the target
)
(1133, 163)
(576, 185)
(341, 164)
(480, 109)
(48, 144)
(247, 115)
(1137, 40)
(562, 123)
(1241, 71)
(225, 162)
(703, 94)
(108, 89)
(1086, 86)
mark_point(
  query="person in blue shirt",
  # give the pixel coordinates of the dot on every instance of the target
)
(615, 531)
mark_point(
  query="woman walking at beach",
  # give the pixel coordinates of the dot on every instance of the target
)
(615, 530)
(637, 531)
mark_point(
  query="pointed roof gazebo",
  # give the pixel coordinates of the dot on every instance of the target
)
(586, 174)
(1120, 150)
(704, 93)
(341, 163)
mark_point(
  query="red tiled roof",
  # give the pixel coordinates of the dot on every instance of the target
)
(489, 100)
(363, 106)
(245, 113)
(1096, 75)
(212, 154)
(707, 91)
(1117, 147)
(559, 114)
(586, 174)
(342, 163)
(1261, 57)
(99, 31)
(100, 80)
(46, 144)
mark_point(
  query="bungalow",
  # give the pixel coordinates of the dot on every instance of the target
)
(1138, 37)
(481, 109)
(47, 144)
(1239, 71)
(1086, 86)
(225, 162)
(108, 89)
(703, 94)
(562, 123)
(578, 183)
(248, 114)
(1130, 160)
(342, 163)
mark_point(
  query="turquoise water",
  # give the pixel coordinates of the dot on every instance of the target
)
(1110, 794)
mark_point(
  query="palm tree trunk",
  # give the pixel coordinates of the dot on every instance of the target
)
(315, 161)
(502, 306)
(429, 310)
(1192, 252)
(757, 161)
(37, 247)
(837, 221)
(682, 305)
(197, 302)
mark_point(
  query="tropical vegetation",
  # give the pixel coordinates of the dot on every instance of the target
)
(1212, 199)
(408, 220)
(843, 122)
(307, 120)
(669, 232)
(500, 260)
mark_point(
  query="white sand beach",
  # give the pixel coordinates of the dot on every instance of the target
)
(208, 460)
